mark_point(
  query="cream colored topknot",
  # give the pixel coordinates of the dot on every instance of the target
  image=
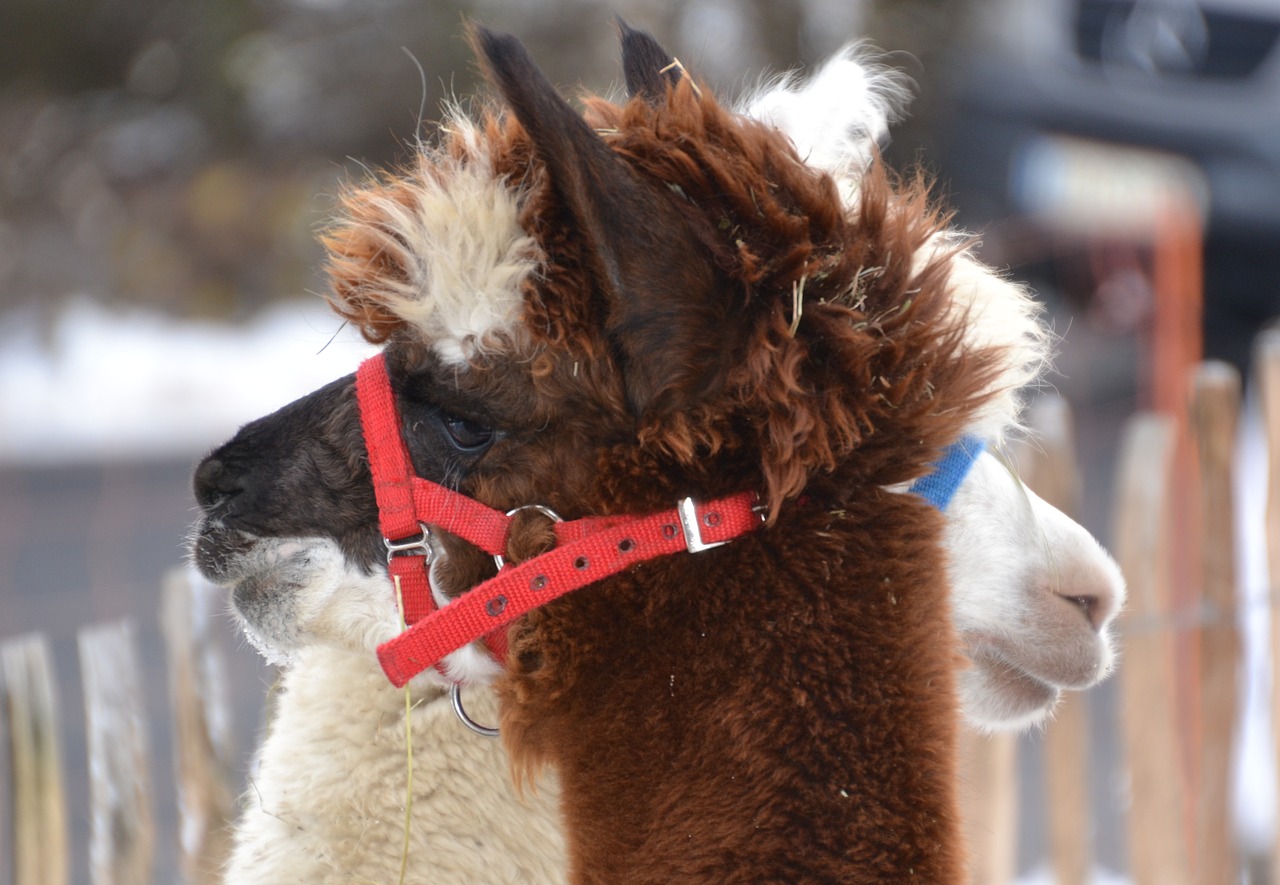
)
(449, 241)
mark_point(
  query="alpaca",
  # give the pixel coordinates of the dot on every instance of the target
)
(778, 708)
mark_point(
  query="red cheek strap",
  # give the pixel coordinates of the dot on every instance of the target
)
(599, 553)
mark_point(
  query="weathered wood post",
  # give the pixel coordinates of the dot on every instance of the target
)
(122, 826)
(39, 815)
(1049, 466)
(1215, 411)
(989, 804)
(202, 727)
(1157, 837)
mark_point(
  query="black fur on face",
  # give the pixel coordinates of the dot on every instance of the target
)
(303, 471)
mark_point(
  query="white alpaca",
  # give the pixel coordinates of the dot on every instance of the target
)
(1032, 594)
(328, 802)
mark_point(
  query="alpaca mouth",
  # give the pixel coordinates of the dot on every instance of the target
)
(256, 571)
(1015, 690)
(1076, 660)
(228, 556)
(221, 554)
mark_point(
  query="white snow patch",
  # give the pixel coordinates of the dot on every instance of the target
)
(108, 384)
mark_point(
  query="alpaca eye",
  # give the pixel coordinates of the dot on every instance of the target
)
(467, 435)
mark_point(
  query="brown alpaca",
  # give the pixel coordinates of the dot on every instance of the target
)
(606, 315)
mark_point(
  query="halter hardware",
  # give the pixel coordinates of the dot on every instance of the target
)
(689, 526)
(550, 514)
(411, 546)
(455, 698)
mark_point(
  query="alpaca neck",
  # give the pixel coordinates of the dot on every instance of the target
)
(785, 705)
(343, 693)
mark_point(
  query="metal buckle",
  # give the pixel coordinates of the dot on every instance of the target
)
(455, 695)
(420, 546)
(546, 511)
(692, 531)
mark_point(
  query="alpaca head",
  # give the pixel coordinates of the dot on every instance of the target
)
(663, 298)
(1033, 597)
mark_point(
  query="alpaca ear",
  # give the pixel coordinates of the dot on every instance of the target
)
(647, 67)
(665, 320)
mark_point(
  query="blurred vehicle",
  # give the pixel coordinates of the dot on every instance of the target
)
(1193, 79)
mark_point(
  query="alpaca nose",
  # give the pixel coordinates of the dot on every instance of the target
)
(214, 482)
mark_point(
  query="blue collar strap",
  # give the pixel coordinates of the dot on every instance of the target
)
(939, 487)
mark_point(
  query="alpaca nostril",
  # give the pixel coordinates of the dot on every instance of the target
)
(1089, 605)
(1097, 597)
(213, 482)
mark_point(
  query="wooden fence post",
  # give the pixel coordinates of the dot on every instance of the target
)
(1215, 412)
(122, 828)
(1050, 468)
(39, 815)
(989, 803)
(1267, 368)
(1157, 838)
(202, 727)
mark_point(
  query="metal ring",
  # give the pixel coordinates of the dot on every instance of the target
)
(455, 695)
(546, 511)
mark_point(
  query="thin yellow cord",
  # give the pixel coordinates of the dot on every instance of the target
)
(408, 752)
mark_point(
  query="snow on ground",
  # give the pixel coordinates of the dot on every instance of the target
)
(108, 384)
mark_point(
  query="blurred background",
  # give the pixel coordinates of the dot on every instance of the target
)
(165, 165)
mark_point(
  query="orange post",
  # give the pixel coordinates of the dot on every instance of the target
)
(1177, 279)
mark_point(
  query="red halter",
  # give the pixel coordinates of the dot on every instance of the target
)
(588, 549)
